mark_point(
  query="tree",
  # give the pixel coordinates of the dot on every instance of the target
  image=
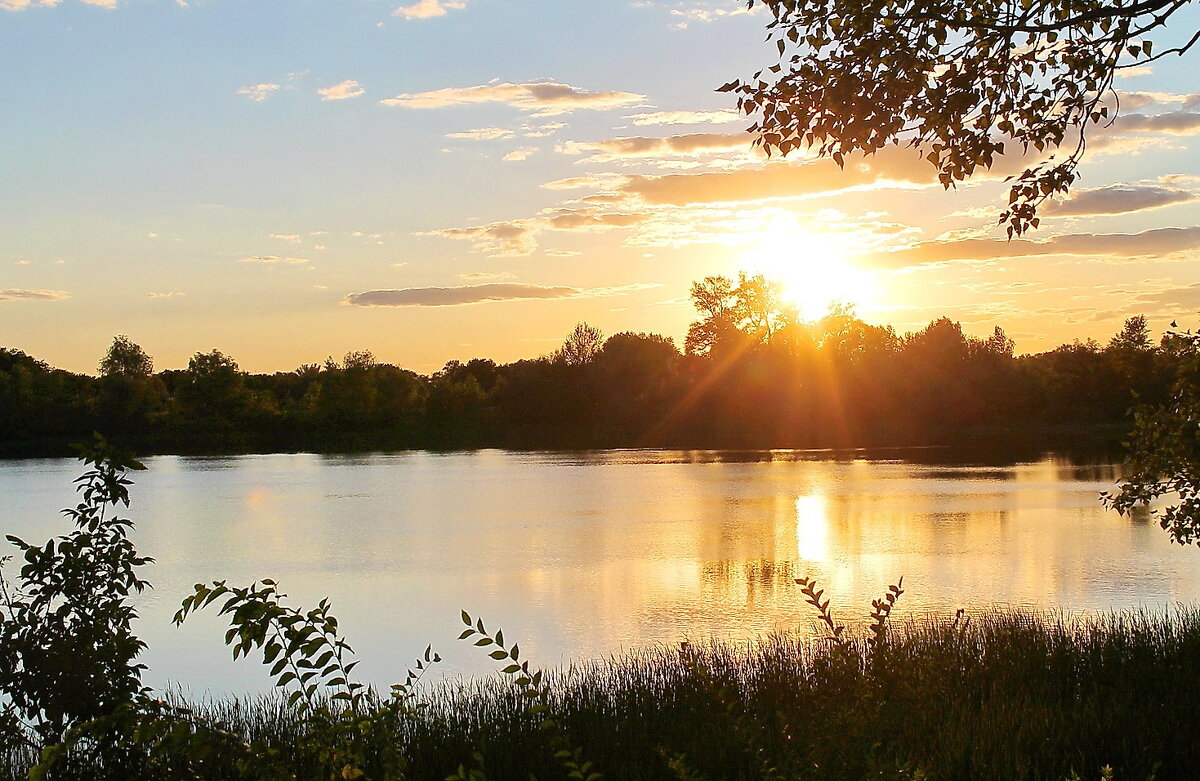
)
(1164, 458)
(748, 313)
(126, 359)
(128, 395)
(581, 347)
(213, 388)
(67, 648)
(961, 83)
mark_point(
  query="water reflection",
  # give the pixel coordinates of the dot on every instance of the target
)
(582, 554)
(812, 528)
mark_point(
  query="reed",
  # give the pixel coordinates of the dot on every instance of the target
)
(997, 695)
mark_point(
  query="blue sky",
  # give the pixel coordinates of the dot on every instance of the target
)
(235, 175)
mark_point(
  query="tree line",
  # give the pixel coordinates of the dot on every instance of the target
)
(751, 374)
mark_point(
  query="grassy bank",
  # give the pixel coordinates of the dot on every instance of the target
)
(996, 696)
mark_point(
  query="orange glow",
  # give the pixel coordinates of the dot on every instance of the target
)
(814, 269)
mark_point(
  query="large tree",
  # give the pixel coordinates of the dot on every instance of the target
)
(961, 82)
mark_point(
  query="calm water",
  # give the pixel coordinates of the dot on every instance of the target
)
(578, 555)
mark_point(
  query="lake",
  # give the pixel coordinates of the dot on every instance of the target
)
(583, 554)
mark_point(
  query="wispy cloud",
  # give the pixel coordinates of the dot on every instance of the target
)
(272, 259)
(19, 294)
(546, 98)
(21, 5)
(482, 134)
(478, 294)
(428, 9)
(165, 294)
(640, 146)
(517, 238)
(346, 89)
(259, 92)
(1157, 242)
(1118, 199)
(685, 117)
(520, 154)
(1178, 123)
(456, 296)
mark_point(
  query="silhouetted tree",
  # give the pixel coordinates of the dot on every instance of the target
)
(581, 346)
(128, 395)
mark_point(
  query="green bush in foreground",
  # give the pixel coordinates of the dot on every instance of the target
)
(1002, 695)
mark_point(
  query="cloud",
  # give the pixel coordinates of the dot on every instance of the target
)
(1177, 123)
(166, 294)
(482, 134)
(478, 294)
(547, 98)
(259, 92)
(1179, 298)
(18, 294)
(456, 296)
(704, 15)
(892, 166)
(291, 238)
(21, 5)
(685, 117)
(1156, 242)
(1117, 199)
(1137, 100)
(499, 239)
(272, 259)
(520, 154)
(640, 146)
(590, 181)
(347, 89)
(485, 275)
(428, 9)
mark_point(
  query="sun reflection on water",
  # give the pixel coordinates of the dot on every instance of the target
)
(812, 528)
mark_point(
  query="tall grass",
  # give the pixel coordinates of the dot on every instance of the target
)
(1002, 695)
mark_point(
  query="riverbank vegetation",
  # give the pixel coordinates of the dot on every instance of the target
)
(751, 375)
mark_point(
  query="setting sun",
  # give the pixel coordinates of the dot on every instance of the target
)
(813, 268)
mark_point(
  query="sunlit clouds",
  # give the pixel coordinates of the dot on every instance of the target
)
(1119, 199)
(272, 260)
(428, 9)
(478, 294)
(545, 99)
(16, 294)
(259, 92)
(417, 175)
(342, 91)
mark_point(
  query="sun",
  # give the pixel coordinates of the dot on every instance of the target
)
(814, 269)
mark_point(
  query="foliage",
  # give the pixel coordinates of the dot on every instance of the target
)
(534, 688)
(581, 346)
(1164, 458)
(734, 317)
(347, 729)
(124, 358)
(753, 375)
(67, 649)
(961, 83)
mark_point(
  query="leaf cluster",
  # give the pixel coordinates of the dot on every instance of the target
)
(349, 731)
(1164, 449)
(67, 649)
(961, 83)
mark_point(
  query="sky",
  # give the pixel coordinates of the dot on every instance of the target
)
(435, 180)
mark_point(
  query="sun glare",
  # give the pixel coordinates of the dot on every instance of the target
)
(814, 269)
